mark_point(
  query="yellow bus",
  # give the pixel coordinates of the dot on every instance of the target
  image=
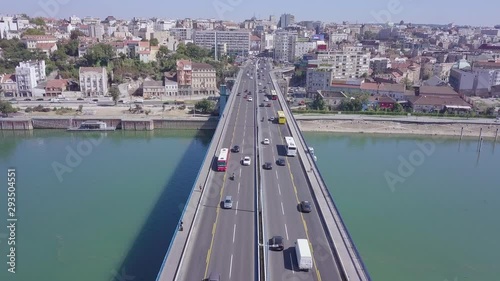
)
(281, 117)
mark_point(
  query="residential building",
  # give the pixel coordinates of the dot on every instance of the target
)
(39, 68)
(286, 20)
(350, 62)
(379, 65)
(196, 78)
(284, 45)
(338, 38)
(204, 79)
(152, 89)
(477, 80)
(96, 31)
(317, 79)
(93, 81)
(237, 43)
(55, 87)
(303, 46)
(267, 41)
(184, 77)
(8, 85)
(182, 33)
(433, 104)
(26, 81)
(32, 41)
(333, 99)
(171, 88)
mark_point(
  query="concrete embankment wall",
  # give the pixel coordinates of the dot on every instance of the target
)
(11, 124)
(190, 123)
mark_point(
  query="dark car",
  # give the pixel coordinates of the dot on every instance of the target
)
(262, 105)
(239, 94)
(268, 105)
(268, 166)
(27, 99)
(280, 162)
(305, 207)
(79, 99)
(276, 243)
(236, 148)
(39, 99)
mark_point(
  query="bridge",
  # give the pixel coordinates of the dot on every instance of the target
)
(235, 243)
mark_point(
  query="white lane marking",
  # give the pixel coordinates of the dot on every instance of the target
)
(236, 214)
(240, 176)
(279, 188)
(286, 232)
(234, 230)
(276, 174)
(231, 267)
(239, 186)
(282, 210)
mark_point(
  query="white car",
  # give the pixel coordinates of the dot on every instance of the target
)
(246, 161)
(266, 141)
(250, 99)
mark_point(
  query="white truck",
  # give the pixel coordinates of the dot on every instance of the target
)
(304, 256)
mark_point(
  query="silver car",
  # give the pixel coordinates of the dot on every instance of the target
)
(228, 202)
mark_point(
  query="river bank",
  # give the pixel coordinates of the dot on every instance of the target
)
(467, 129)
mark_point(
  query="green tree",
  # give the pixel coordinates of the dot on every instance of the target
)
(34, 31)
(162, 53)
(154, 42)
(75, 34)
(408, 84)
(38, 21)
(115, 93)
(99, 55)
(318, 103)
(490, 111)
(205, 106)
(181, 49)
(71, 48)
(6, 108)
(398, 107)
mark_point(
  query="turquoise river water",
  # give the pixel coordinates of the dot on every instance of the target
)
(103, 207)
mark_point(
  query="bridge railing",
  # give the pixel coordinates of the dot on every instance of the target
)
(354, 254)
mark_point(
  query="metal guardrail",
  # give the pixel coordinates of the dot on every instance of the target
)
(220, 127)
(356, 258)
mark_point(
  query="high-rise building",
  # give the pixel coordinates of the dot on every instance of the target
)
(28, 75)
(235, 43)
(284, 45)
(286, 20)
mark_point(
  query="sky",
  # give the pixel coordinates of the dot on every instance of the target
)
(374, 11)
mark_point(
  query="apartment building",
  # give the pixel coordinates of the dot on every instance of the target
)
(303, 46)
(93, 81)
(379, 65)
(237, 43)
(196, 78)
(26, 81)
(152, 89)
(286, 20)
(8, 85)
(182, 33)
(284, 45)
(350, 62)
(33, 41)
(38, 66)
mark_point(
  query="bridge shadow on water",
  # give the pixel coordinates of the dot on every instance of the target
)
(145, 257)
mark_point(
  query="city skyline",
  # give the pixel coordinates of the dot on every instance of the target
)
(410, 11)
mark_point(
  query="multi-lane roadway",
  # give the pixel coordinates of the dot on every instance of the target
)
(284, 187)
(224, 241)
